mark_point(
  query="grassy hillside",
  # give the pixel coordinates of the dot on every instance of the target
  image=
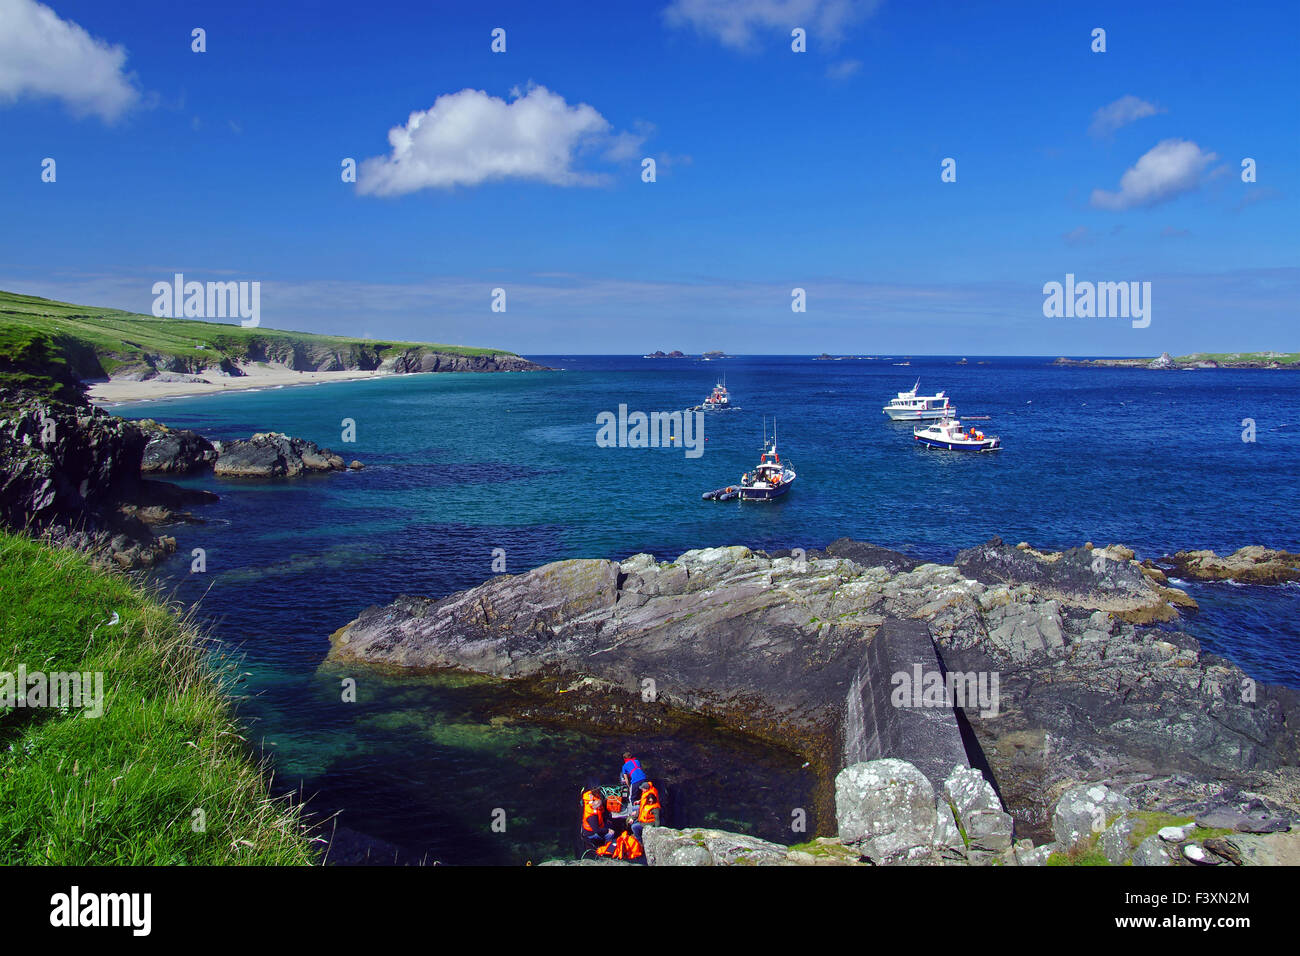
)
(41, 339)
(122, 788)
(1227, 358)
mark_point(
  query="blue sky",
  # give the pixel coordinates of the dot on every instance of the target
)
(775, 169)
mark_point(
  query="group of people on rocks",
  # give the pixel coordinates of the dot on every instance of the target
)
(614, 825)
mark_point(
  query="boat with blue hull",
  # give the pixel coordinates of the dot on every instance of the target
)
(911, 407)
(949, 436)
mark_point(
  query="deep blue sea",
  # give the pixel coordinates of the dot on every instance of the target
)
(460, 465)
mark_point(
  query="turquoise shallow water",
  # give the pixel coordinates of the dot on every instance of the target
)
(460, 465)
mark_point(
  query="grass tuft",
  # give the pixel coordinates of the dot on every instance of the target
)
(122, 788)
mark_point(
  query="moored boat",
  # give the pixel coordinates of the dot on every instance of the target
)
(770, 479)
(719, 400)
(910, 407)
(948, 435)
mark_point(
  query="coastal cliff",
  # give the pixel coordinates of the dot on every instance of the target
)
(57, 346)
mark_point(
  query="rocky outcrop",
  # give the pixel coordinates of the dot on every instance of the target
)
(1171, 821)
(72, 473)
(174, 451)
(889, 812)
(975, 805)
(1250, 565)
(1094, 579)
(887, 809)
(426, 360)
(889, 815)
(767, 645)
(869, 555)
(264, 455)
(702, 847)
(1046, 661)
(272, 455)
(665, 846)
(1084, 810)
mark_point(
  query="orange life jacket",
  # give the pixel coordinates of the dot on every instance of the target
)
(607, 849)
(649, 810)
(628, 847)
(593, 804)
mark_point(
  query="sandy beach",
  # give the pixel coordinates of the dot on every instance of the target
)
(256, 376)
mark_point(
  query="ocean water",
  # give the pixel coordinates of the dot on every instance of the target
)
(458, 466)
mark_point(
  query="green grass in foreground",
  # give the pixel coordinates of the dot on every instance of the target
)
(122, 788)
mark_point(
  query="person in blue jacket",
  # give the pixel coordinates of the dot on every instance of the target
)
(632, 775)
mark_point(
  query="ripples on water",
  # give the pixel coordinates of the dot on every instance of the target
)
(458, 465)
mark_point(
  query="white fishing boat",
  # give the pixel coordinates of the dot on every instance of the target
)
(949, 436)
(719, 400)
(771, 478)
(911, 407)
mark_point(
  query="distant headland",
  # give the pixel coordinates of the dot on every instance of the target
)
(1271, 360)
(61, 350)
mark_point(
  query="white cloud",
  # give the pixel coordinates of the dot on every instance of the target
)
(1171, 168)
(469, 137)
(1125, 110)
(42, 55)
(738, 23)
(1077, 235)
